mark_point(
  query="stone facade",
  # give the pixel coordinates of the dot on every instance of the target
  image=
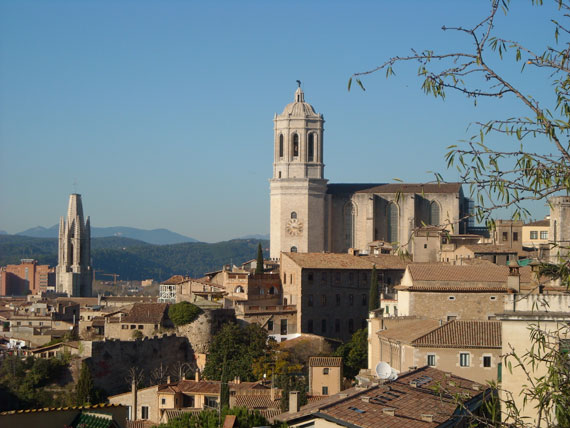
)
(309, 215)
(74, 275)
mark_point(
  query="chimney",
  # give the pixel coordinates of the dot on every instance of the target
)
(134, 408)
(168, 379)
(390, 411)
(427, 418)
(514, 278)
(293, 401)
(366, 399)
(238, 380)
(197, 376)
(183, 376)
(272, 392)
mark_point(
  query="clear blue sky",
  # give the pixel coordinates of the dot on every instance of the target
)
(162, 110)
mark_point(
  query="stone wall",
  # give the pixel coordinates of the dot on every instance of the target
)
(201, 331)
(110, 360)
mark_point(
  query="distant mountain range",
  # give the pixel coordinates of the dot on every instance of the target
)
(136, 260)
(155, 236)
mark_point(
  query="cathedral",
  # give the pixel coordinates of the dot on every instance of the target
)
(309, 214)
(74, 275)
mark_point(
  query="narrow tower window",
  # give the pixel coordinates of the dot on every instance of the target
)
(434, 213)
(293, 215)
(392, 222)
(281, 145)
(311, 148)
(295, 145)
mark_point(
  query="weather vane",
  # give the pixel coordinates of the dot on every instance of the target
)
(299, 83)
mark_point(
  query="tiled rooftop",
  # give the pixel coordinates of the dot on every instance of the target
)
(409, 330)
(346, 261)
(150, 313)
(463, 334)
(325, 361)
(464, 273)
(395, 404)
(419, 188)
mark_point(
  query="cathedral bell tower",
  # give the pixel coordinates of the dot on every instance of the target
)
(74, 275)
(298, 188)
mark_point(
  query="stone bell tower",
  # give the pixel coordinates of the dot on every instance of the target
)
(74, 275)
(298, 188)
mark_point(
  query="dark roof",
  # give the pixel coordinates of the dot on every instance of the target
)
(149, 313)
(411, 397)
(463, 334)
(347, 261)
(419, 188)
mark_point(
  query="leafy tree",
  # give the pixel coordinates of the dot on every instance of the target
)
(354, 353)
(259, 261)
(238, 347)
(292, 382)
(210, 419)
(137, 334)
(374, 298)
(536, 167)
(85, 389)
(183, 313)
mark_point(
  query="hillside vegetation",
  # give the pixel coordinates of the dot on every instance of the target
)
(137, 260)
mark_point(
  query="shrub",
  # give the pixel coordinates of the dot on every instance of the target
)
(183, 313)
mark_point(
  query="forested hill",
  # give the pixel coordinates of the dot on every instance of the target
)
(136, 260)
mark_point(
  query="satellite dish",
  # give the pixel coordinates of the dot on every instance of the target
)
(383, 370)
(393, 374)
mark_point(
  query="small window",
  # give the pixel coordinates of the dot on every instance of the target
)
(125, 327)
(464, 359)
(310, 300)
(293, 249)
(486, 361)
(281, 145)
(270, 325)
(295, 145)
(515, 236)
(543, 234)
(505, 236)
(144, 412)
(140, 327)
(326, 371)
(311, 148)
(431, 360)
(324, 326)
(338, 299)
(534, 234)
(451, 298)
(364, 300)
(351, 299)
(387, 310)
(493, 298)
(133, 326)
(451, 317)
(163, 401)
(351, 325)
(310, 326)
(284, 278)
(293, 215)
(310, 276)
(272, 290)
(323, 300)
(325, 390)
(425, 245)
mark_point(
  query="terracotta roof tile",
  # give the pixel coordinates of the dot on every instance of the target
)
(176, 279)
(435, 272)
(346, 261)
(539, 223)
(489, 248)
(409, 329)
(325, 361)
(364, 407)
(150, 313)
(463, 334)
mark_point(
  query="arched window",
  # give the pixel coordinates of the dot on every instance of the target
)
(349, 220)
(392, 219)
(295, 145)
(293, 214)
(311, 148)
(239, 289)
(434, 213)
(272, 290)
(280, 145)
(293, 249)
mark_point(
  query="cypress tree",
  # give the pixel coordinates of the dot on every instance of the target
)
(259, 264)
(374, 298)
(85, 388)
